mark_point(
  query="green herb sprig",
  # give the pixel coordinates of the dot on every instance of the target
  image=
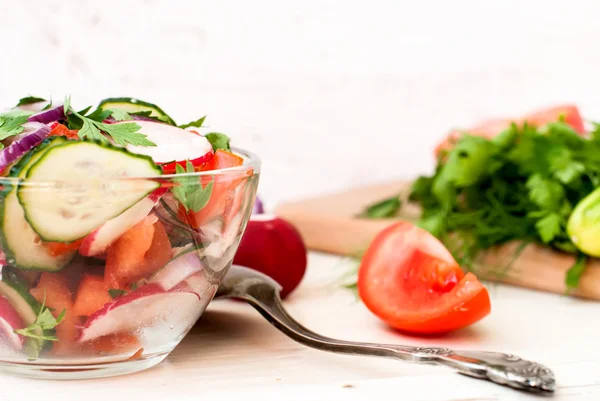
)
(44, 321)
(11, 123)
(190, 192)
(92, 127)
(382, 209)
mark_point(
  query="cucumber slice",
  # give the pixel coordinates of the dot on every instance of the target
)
(132, 105)
(15, 290)
(20, 243)
(17, 294)
(91, 192)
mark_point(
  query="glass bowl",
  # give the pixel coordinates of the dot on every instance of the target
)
(120, 299)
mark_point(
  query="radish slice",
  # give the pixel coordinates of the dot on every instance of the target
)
(177, 270)
(136, 310)
(9, 322)
(173, 143)
(32, 135)
(34, 107)
(48, 116)
(96, 242)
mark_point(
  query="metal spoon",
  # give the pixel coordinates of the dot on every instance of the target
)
(262, 293)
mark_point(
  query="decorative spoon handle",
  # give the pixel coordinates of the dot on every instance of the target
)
(262, 293)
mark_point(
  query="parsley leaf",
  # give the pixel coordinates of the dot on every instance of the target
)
(122, 134)
(385, 208)
(44, 321)
(190, 192)
(549, 227)
(218, 141)
(198, 123)
(29, 100)
(89, 131)
(545, 193)
(575, 272)
(98, 115)
(469, 161)
(125, 133)
(11, 122)
(120, 115)
(67, 104)
(562, 165)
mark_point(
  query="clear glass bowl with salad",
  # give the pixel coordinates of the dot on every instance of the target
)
(116, 227)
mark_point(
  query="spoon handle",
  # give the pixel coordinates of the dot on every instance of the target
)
(263, 294)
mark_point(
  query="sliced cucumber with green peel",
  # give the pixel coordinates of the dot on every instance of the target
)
(92, 182)
(20, 243)
(15, 290)
(17, 294)
(132, 105)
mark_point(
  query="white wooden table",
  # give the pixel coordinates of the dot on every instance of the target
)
(233, 352)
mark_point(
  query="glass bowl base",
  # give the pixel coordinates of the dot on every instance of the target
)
(77, 371)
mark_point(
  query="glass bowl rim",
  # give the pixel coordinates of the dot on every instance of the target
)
(251, 161)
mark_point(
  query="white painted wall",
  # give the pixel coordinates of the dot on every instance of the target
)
(329, 93)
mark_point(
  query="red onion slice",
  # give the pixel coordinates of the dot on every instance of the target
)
(258, 207)
(32, 136)
(48, 116)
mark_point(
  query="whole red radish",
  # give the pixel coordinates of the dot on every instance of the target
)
(273, 246)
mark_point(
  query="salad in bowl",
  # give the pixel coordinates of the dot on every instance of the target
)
(116, 227)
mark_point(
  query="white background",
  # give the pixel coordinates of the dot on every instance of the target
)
(329, 93)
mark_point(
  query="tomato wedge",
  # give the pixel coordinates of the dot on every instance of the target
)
(410, 280)
(491, 128)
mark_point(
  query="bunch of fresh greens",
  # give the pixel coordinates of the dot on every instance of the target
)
(522, 185)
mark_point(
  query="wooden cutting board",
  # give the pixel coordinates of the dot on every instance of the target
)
(327, 224)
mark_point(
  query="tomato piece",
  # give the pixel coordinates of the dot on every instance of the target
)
(125, 255)
(92, 295)
(61, 248)
(491, 128)
(160, 251)
(222, 191)
(410, 280)
(139, 252)
(54, 289)
(62, 130)
(115, 343)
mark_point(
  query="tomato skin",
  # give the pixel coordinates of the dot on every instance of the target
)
(491, 128)
(170, 168)
(222, 159)
(408, 279)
